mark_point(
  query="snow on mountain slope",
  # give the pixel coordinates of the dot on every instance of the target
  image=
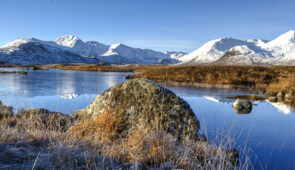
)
(283, 47)
(136, 55)
(34, 51)
(18, 42)
(89, 48)
(258, 42)
(175, 54)
(245, 55)
(211, 51)
(71, 49)
(68, 41)
(117, 53)
(227, 51)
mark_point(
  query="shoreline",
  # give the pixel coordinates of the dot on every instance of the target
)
(267, 80)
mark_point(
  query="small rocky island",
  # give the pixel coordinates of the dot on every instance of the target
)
(134, 125)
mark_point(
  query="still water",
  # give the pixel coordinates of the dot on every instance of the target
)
(268, 131)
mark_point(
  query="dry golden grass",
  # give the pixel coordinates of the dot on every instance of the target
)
(233, 75)
(106, 128)
(283, 90)
(147, 146)
(286, 83)
(94, 67)
(102, 143)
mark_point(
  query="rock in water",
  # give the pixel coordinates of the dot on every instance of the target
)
(242, 106)
(141, 101)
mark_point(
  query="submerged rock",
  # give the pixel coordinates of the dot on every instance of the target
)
(22, 72)
(143, 102)
(242, 106)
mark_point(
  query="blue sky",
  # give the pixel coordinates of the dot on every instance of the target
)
(181, 25)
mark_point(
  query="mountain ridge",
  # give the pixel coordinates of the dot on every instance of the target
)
(223, 51)
(75, 50)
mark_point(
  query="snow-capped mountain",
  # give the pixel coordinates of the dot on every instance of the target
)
(283, 47)
(211, 51)
(71, 49)
(224, 51)
(89, 48)
(137, 55)
(246, 55)
(34, 51)
(228, 51)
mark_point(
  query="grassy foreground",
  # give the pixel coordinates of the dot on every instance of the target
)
(37, 139)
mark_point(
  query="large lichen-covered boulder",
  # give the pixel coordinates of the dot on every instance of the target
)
(141, 101)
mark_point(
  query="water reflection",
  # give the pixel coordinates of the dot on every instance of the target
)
(242, 111)
(282, 108)
(219, 99)
(56, 82)
(69, 96)
(52, 89)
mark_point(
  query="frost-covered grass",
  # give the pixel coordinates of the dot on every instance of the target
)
(27, 141)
